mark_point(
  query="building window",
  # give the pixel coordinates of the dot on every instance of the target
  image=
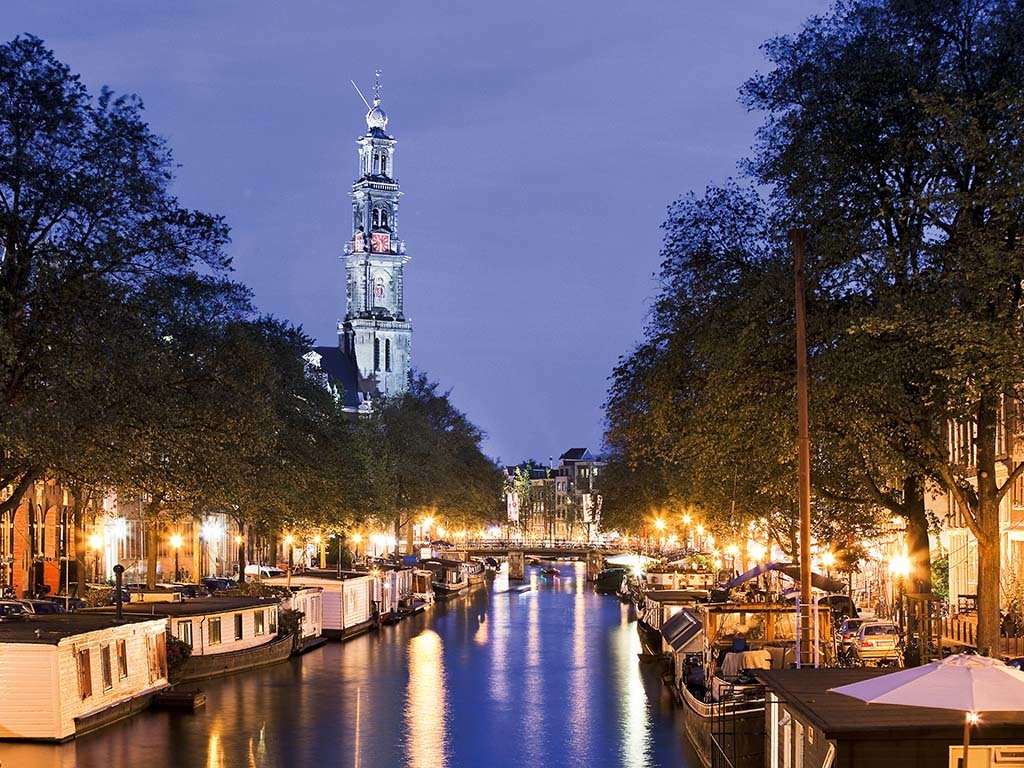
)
(273, 621)
(387, 354)
(375, 219)
(214, 631)
(238, 626)
(376, 354)
(384, 218)
(105, 669)
(84, 674)
(384, 165)
(259, 622)
(185, 631)
(122, 659)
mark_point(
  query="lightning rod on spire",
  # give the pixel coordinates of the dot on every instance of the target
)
(360, 94)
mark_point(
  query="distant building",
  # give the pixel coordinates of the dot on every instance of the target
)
(559, 503)
(374, 353)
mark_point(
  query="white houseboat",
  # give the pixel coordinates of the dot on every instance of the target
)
(309, 602)
(450, 578)
(227, 634)
(347, 599)
(63, 675)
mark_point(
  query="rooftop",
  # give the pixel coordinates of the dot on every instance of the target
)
(200, 606)
(807, 692)
(50, 629)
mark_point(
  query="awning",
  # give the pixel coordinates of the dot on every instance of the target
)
(790, 569)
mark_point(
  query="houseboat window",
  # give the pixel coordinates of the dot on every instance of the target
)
(273, 621)
(185, 631)
(259, 621)
(84, 674)
(215, 631)
(122, 659)
(108, 676)
(160, 655)
(238, 626)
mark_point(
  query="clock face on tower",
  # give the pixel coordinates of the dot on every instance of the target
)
(381, 242)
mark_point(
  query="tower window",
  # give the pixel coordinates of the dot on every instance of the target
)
(384, 165)
(376, 354)
(376, 217)
(384, 218)
(387, 354)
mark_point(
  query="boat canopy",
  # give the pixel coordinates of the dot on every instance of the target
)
(681, 628)
(789, 569)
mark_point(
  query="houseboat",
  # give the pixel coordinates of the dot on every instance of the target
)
(392, 592)
(308, 601)
(67, 674)
(449, 577)
(226, 634)
(807, 724)
(610, 581)
(347, 602)
(723, 705)
(475, 572)
(678, 576)
(659, 606)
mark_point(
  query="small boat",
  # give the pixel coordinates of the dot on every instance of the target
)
(549, 570)
(609, 581)
(474, 572)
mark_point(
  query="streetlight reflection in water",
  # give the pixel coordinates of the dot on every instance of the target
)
(426, 708)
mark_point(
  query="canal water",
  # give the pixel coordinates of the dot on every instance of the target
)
(542, 673)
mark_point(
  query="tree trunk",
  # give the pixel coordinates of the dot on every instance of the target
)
(78, 525)
(918, 548)
(244, 533)
(152, 523)
(986, 517)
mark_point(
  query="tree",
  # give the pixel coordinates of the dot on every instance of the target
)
(86, 222)
(423, 453)
(894, 129)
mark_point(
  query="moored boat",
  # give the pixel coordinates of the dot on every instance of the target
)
(609, 581)
(449, 577)
(723, 702)
(659, 606)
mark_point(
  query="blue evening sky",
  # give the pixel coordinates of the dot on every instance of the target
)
(539, 143)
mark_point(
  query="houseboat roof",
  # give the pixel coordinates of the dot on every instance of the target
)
(843, 717)
(440, 561)
(50, 629)
(200, 606)
(326, 575)
(676, 595)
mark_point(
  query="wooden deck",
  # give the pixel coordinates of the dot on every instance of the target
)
(961, 631)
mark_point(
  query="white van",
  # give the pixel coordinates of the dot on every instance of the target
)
(253, 571)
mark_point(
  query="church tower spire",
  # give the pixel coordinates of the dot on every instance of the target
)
(375, 334)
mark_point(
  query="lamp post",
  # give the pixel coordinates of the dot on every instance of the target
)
(356, 538)
(95, 543)
(899, 566)
(828, 560)
(686, 530)
(176, 545)
(321, 554)
(288, 541)
(659, 524)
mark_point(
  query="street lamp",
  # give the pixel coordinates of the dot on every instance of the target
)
(320, 552)
(659, 524)
(176, 545)
(356, 539)
(95, 543)
(732, 550)
(288, 541)
(828, 560)
(899, 566)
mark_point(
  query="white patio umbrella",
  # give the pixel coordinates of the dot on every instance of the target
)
(971, 684)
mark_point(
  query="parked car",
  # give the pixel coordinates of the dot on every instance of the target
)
(42, 606)
(847, 631)
(219, 583)
(12, 610)
(254, 571)
(877, 643)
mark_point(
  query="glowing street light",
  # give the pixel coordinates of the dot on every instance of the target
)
(176, 542)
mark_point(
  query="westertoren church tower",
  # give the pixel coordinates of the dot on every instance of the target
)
(374, 353)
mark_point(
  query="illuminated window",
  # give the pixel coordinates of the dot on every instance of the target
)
(185, 631)
(214, 631)
(259, 620)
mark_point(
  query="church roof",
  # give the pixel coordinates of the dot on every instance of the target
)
(341, 371)
(576, 454)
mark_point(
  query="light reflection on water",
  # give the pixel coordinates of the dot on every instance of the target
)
(537, 673)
